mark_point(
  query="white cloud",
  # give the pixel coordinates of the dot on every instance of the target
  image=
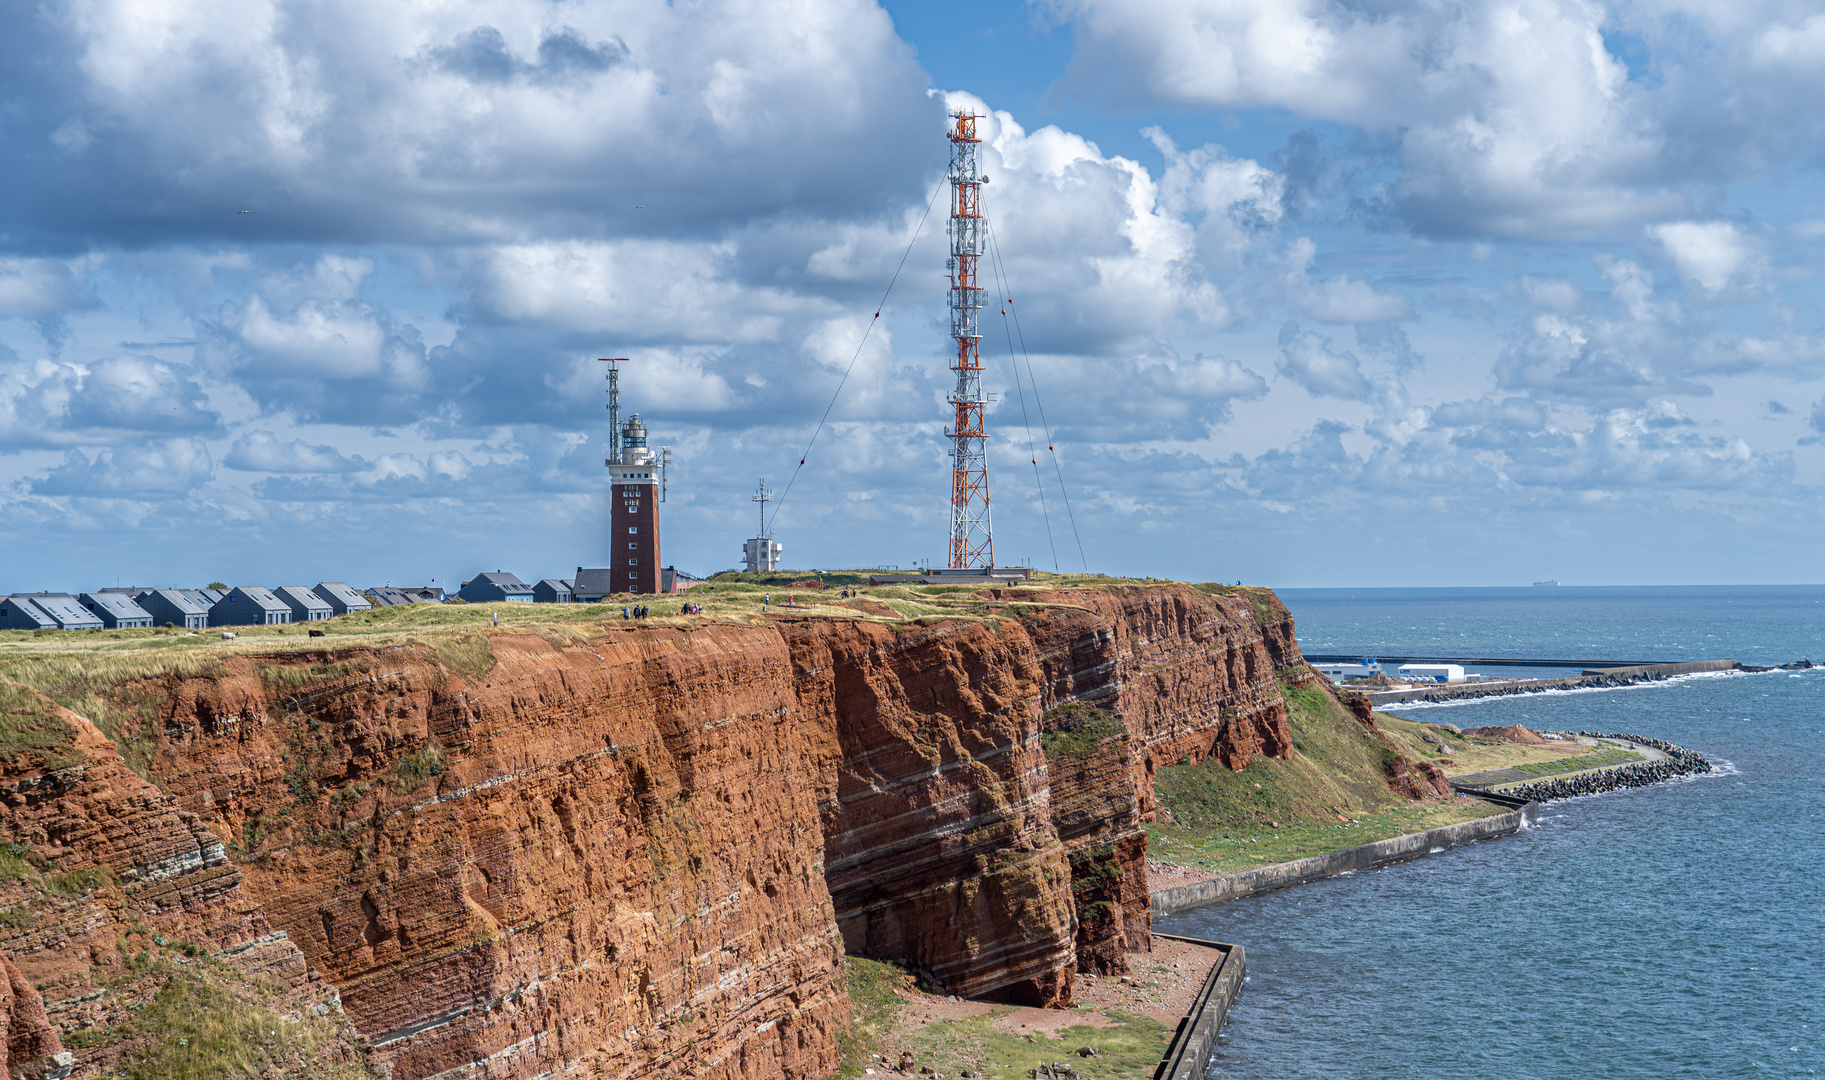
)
(157, 470)
(1307, 359)
(262, 451)
(1511, 119)
(1336, 299)
(35, 288)
(117, 399)
(1711, 253)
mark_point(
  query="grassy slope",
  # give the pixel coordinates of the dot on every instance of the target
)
(1329, 794)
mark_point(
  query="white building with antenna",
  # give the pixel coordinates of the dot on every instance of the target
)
(760, 554)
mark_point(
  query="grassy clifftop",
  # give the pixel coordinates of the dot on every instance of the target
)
(1332, 792)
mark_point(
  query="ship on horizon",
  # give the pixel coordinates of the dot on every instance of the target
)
(1546, 584)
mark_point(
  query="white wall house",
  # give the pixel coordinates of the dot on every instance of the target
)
(1445, 673)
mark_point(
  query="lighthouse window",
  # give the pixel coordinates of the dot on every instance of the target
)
(633, 546)
(633, 529)
(633, 562)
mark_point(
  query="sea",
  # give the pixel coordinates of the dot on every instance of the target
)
(1670, 931)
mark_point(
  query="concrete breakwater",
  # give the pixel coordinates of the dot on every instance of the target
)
(1380, 853)
(1196, 1038)
(1627, 676)
(1678, 762)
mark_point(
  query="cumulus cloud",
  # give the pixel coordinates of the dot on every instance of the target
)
(1308, 359)
(1339, 298)
(157, 470)
(262, 451)
(1509, 120)
(435, 122)
(58, 404)
(1710, 253)
(36, 288)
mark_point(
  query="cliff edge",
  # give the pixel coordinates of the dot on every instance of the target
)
(432, 848)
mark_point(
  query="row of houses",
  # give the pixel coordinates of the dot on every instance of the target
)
(135, 607)
(588, 586)
(190, 609)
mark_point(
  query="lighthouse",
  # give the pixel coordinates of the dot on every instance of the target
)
(634, 516)
(636, 477)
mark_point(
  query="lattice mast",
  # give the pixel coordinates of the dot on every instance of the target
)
(972, 540)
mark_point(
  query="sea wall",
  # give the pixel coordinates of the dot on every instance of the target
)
(1196, 1039)
(1264, 879)
(1596, 678)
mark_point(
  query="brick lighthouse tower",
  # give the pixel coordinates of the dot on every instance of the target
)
(635, 473)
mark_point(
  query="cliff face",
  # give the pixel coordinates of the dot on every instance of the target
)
(584, 855)
(1191, 672)
(644, 851)
(124, 891)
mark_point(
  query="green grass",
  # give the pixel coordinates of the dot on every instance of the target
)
(210, 1022)
(1077, 730)
(1330, 794)
(1129, 1046)
(872, 1007)
(1229, 850)
(414, 771)
(30, 728)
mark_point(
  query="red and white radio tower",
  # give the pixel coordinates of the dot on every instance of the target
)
(972, 538)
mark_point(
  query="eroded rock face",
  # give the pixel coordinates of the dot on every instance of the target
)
(645, 851)
(133, 875)
(30, 1048)
(1192, 672)
(595, 856)
(938, 837)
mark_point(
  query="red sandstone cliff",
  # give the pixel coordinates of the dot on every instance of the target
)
(643, 852)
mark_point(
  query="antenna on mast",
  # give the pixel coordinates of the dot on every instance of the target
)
(614, 407)
(763, 497)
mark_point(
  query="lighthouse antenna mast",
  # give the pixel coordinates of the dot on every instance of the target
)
(972, 541)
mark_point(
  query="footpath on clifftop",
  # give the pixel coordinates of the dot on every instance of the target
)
(426, 845)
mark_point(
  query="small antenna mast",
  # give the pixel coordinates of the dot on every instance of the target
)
(614, 407)
(763, 497)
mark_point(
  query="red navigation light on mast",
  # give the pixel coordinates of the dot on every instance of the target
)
(972, 540)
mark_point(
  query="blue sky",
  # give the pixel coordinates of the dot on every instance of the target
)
(1316, 293)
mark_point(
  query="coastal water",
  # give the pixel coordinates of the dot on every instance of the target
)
(1671, 931)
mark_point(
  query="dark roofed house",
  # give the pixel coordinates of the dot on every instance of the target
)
(203, 598)
(551, 591)
(64, 610)
(341, 599)
(19, 613)
(394, 596)
(591, 586)
(305, 605)
(170, 607)
(249, 605)
(117, 611)
(496, 588)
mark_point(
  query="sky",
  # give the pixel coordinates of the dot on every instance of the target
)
(1304, 293)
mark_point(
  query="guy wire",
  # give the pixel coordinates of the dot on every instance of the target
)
(995, 251)
(780, 502)
(1026, 423)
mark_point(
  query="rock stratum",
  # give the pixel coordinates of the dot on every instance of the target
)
(619, 850)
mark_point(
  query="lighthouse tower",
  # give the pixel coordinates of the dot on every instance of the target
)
(636, 476)
(634, 520)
